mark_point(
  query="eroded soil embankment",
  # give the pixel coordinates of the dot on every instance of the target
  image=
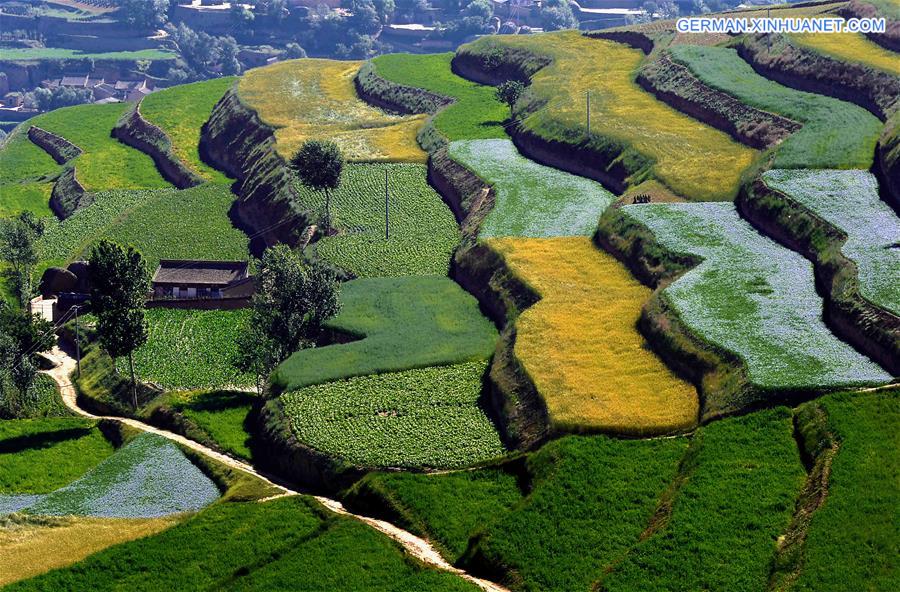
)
(135, 131)
(890, 39)
(674, 84)
(869, 328)
(887, 161)
(268, 207)
(68, 194)
(59, 148)
(787, 64)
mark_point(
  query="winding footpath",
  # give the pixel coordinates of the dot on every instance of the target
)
(415, 546)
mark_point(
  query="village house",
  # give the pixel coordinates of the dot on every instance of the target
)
(202, 280)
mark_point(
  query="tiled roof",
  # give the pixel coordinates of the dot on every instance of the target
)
(212, 273)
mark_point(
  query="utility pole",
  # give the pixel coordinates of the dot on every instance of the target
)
(77, 342)
(589, 113)
(387, 214)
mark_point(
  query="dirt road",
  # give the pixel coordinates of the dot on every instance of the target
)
(415, 546)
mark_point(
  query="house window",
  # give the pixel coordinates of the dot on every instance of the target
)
(203, 292)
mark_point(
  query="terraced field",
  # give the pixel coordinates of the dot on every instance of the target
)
(311, 98)
(849, 200)
(531, 200)
(475, 114)
(428, 417)
(400, 324)
(423, 231)
(106, 163)
(24, 173)
(835, 134)
(753, 298)
(851, 47)
(191, 349)
(599, 374)
(695, 160)
(166, 224)
(181, 111)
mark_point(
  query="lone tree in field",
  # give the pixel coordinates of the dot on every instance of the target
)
(119, 286)
(292, 302)
(319, 164)
(18, 238)
(509, 92)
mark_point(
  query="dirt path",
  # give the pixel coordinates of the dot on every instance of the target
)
(415, 546)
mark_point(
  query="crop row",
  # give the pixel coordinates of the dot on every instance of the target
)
(580, 346)
(427, 417)
(180, 112)
(849, 200)
(695, 160)
(191, 349)
(400, 324)
(753, 298)
(316, 99)
(835, 134)
(531, 199)
(422, 230)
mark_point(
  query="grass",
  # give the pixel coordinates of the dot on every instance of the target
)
(32, 545)
(147, 478)
(589, 500)
(40, 455)
(741, 480)
(400, 324)
(444, 508)
(835, 134)
(753, 297)
(106, 163)
(695, 160)
(531, 200)
(887, 8)
(219, 414)
(284, 544)
(850, 47)
(849, 200)
(580, 346)
(58, 53)
(852, 539)
(25, 171)
(423, 231)
(192, 349)
(313, 98)
(161, 224)
(475, 114)
(181, 111)
(428, 417)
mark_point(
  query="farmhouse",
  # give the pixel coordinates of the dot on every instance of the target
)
(199, 280)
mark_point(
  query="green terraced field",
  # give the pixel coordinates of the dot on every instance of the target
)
(737, 498)
(752, 297)
(852, 540)
(835, 134)
(531, 200)
(58, 53)
(283, 544)
(401, 324)
(181, 111)
(423, 231)
(24, 173)
(849, 200)
(475, 114)
(219, 414)
(428, 417)
(161, 224)
(191, 349)
(106, 162)
(40, 455)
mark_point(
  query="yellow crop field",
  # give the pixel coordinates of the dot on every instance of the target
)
(33, 545)
(695, 160)
(580, 346)
(851, 47)
(312, 98)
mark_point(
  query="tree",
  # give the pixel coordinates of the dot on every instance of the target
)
(557, 14)
(319, 164)
(18, 238)
(509, 92)
(119, 286)
(22, 337)
(144, 14)
(293, 51)
(292, 302)
(364, 18)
